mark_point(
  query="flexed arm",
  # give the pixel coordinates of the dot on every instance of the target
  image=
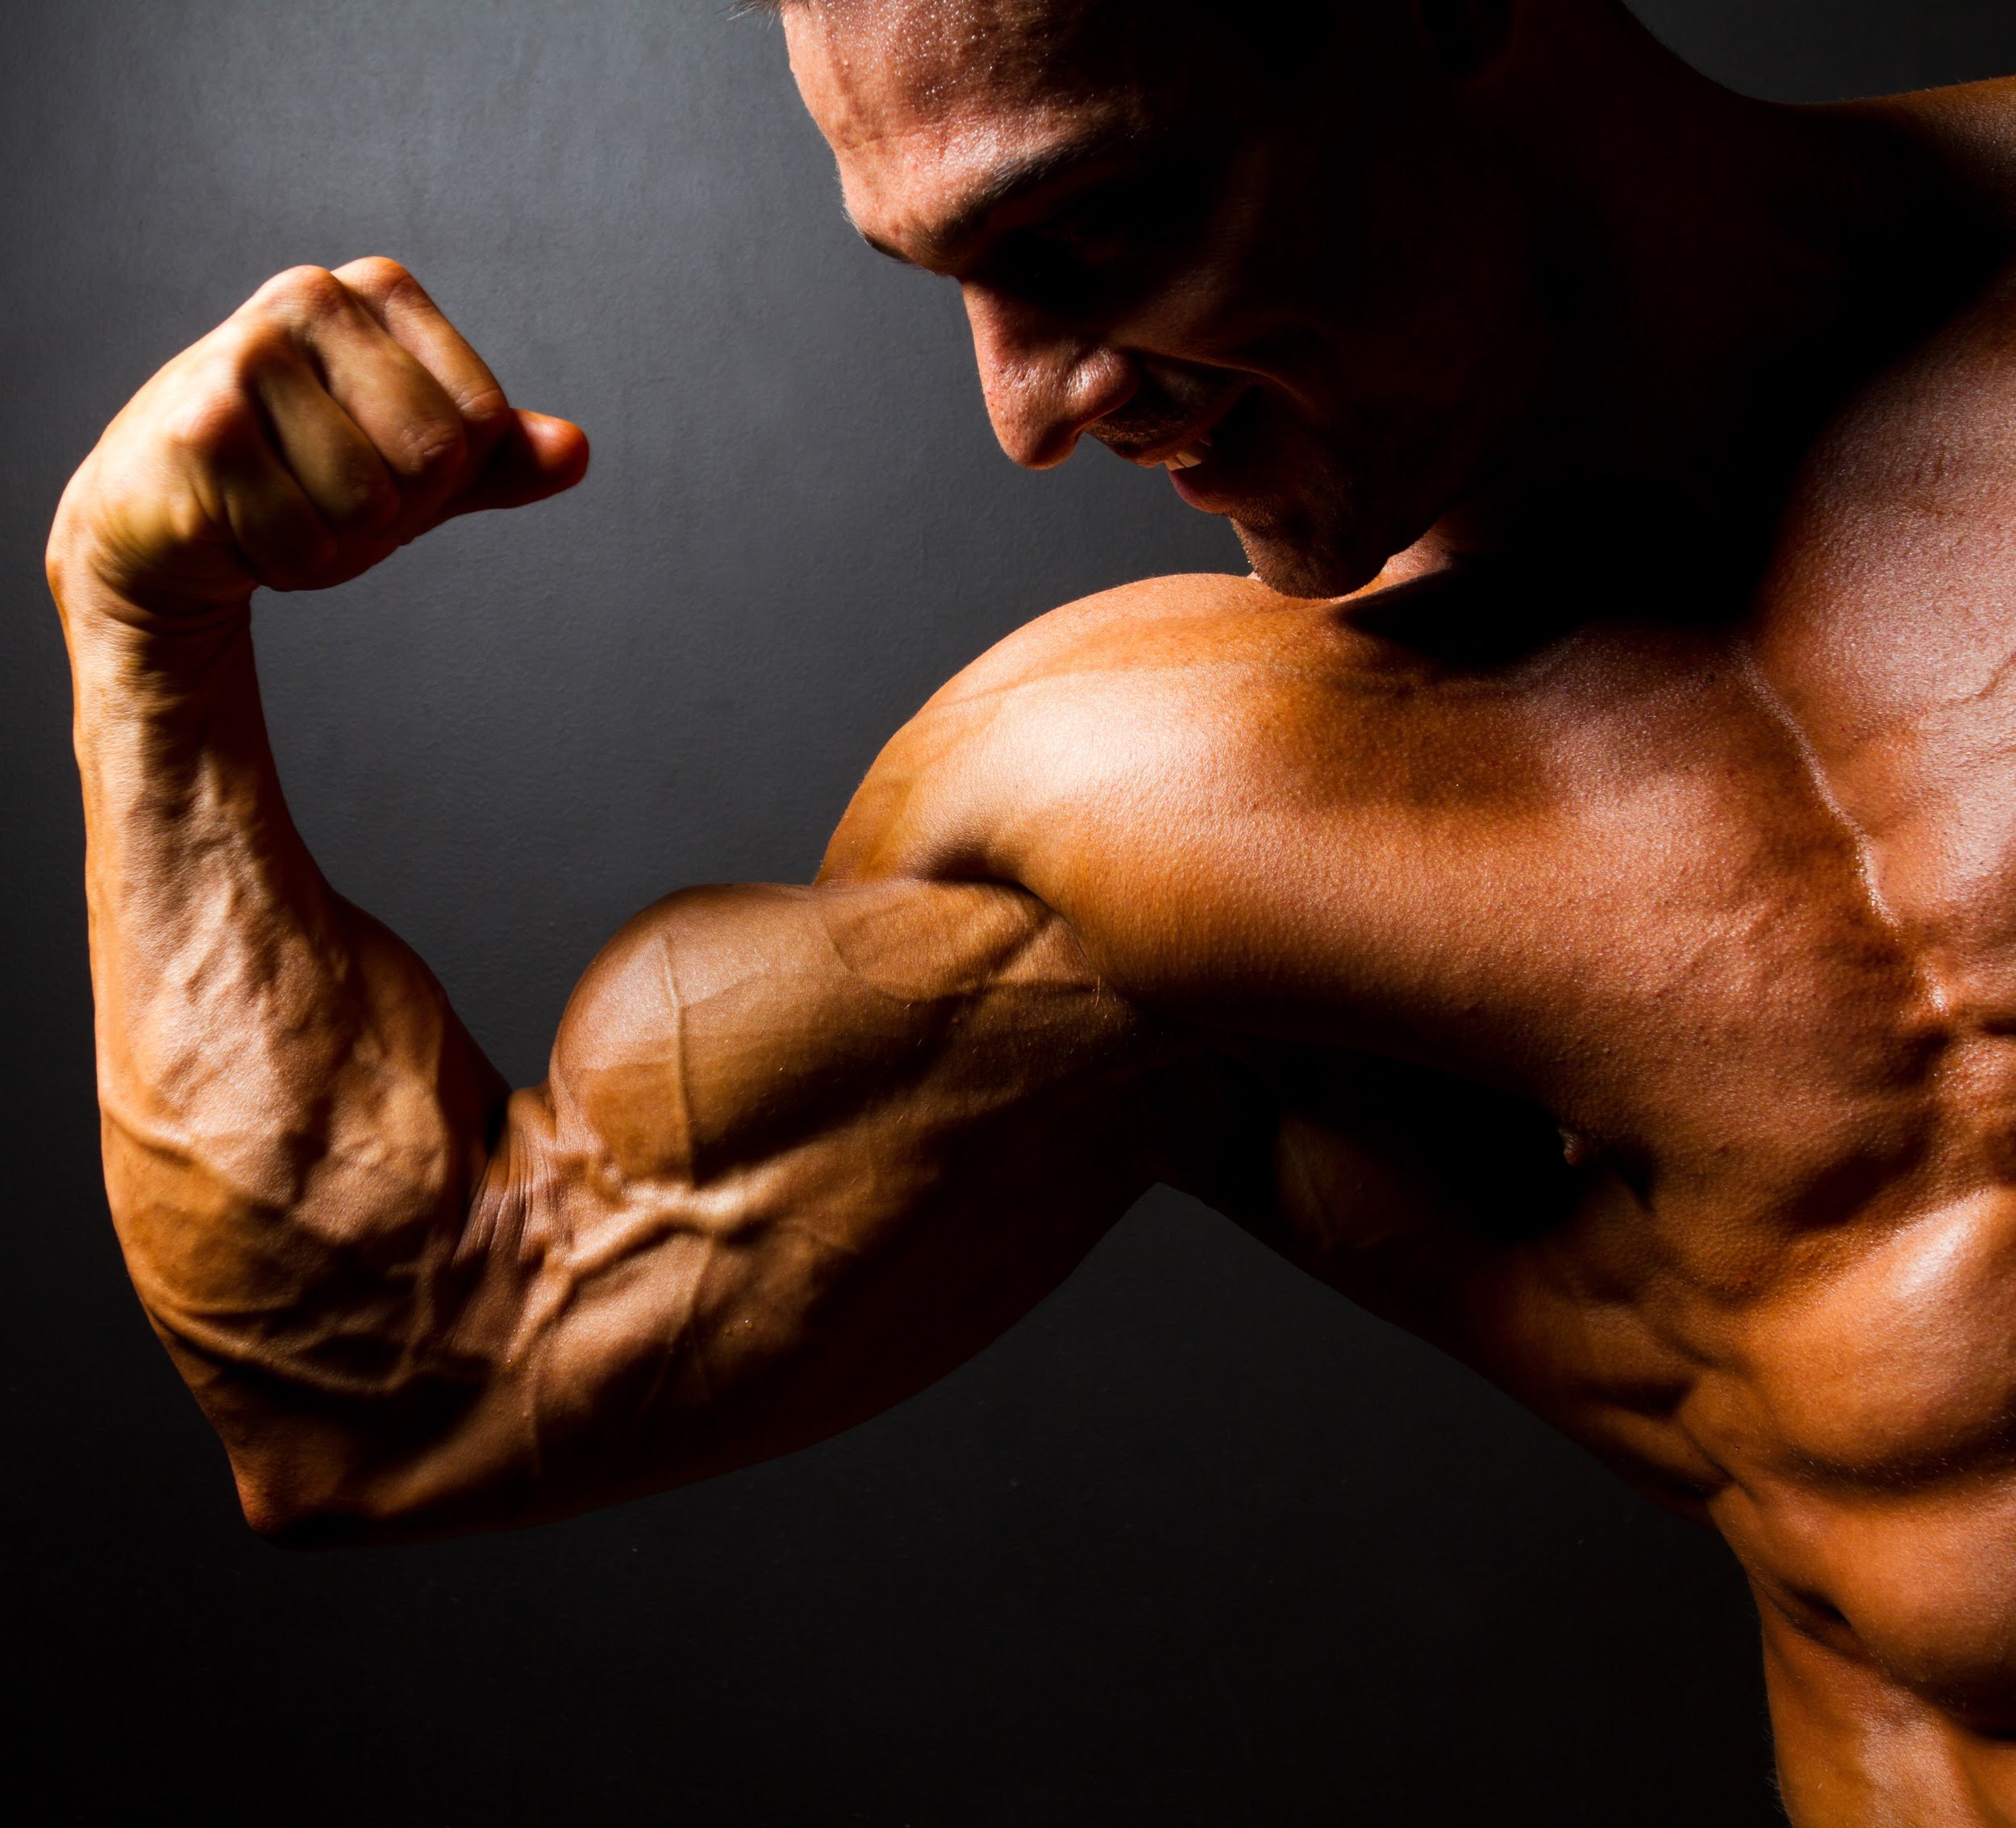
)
(801, 1150)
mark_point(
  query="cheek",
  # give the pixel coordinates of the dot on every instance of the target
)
(1417, 261)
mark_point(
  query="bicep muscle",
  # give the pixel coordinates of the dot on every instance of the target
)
(801, 1152)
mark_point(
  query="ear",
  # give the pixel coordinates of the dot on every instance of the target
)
(1465, 37)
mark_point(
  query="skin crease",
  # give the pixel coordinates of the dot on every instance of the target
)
(1575, 920)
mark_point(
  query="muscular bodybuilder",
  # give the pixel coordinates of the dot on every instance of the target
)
(1566, 899)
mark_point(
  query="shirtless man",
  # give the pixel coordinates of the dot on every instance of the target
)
(1587, 938)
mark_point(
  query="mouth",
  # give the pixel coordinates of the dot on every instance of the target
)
(1184, 449)
(1203, 470)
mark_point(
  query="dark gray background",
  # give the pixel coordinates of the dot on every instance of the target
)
(1197, 1543)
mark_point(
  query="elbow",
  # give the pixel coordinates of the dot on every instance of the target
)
(292, 1506)
(282, 1522)
(306, 1483)
(297, 1519)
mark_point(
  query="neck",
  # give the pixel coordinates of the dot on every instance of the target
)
(1730, 273)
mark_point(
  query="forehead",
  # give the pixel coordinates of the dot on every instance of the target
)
(925, 102)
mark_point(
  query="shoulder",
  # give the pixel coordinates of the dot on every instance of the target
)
(1944, 407)
(1908, 491)
(1115, 710)
(1906, 500)
(1969, 128)
(1939, 414)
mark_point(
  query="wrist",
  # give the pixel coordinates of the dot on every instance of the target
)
(98, 604)
(132, 664)
(104, 625)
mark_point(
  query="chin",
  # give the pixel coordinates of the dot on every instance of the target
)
(1315, 525)
(1296, 560)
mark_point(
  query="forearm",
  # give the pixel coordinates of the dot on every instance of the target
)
(292, 1117)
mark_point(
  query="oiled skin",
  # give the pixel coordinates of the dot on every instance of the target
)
(1691, 923)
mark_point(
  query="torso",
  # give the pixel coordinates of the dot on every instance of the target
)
(1729, 897)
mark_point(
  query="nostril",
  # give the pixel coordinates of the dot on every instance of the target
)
(1045, 384)
(1032, 426)
(1071, 399)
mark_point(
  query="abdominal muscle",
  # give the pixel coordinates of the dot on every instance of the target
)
(1871, 1448)
(1849, 1427)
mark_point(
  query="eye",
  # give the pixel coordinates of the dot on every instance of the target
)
(1098, 250)
(1097, 229)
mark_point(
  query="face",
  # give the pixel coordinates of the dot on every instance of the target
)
(1295, 272)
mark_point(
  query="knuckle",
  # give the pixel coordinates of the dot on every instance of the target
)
(427, 447)
(386, 286)
(254, 343)
(380, 275)
(304, 292)
(208, 422)
(486, 410)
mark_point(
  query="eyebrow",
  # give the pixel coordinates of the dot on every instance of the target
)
(1007, 183)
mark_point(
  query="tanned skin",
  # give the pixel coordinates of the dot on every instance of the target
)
(1587, 938)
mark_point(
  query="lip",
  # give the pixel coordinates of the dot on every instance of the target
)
(1158, 456)
(1193, 492)
(1204, 486)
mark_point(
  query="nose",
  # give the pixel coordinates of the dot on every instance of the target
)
(1045, 382)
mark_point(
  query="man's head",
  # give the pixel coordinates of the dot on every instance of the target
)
(1290, 250)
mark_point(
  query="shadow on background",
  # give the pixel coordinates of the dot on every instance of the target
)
(1198, 1542)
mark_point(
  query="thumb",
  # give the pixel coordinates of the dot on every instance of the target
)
(538, 456)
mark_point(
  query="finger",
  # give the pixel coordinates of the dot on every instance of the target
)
(397, 300)
(279, 535)
(337, 467)
(539, 456)
(415, 428)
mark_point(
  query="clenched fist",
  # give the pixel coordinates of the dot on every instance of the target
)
(333, 418)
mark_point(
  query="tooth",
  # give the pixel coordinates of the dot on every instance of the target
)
(1187, 459)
